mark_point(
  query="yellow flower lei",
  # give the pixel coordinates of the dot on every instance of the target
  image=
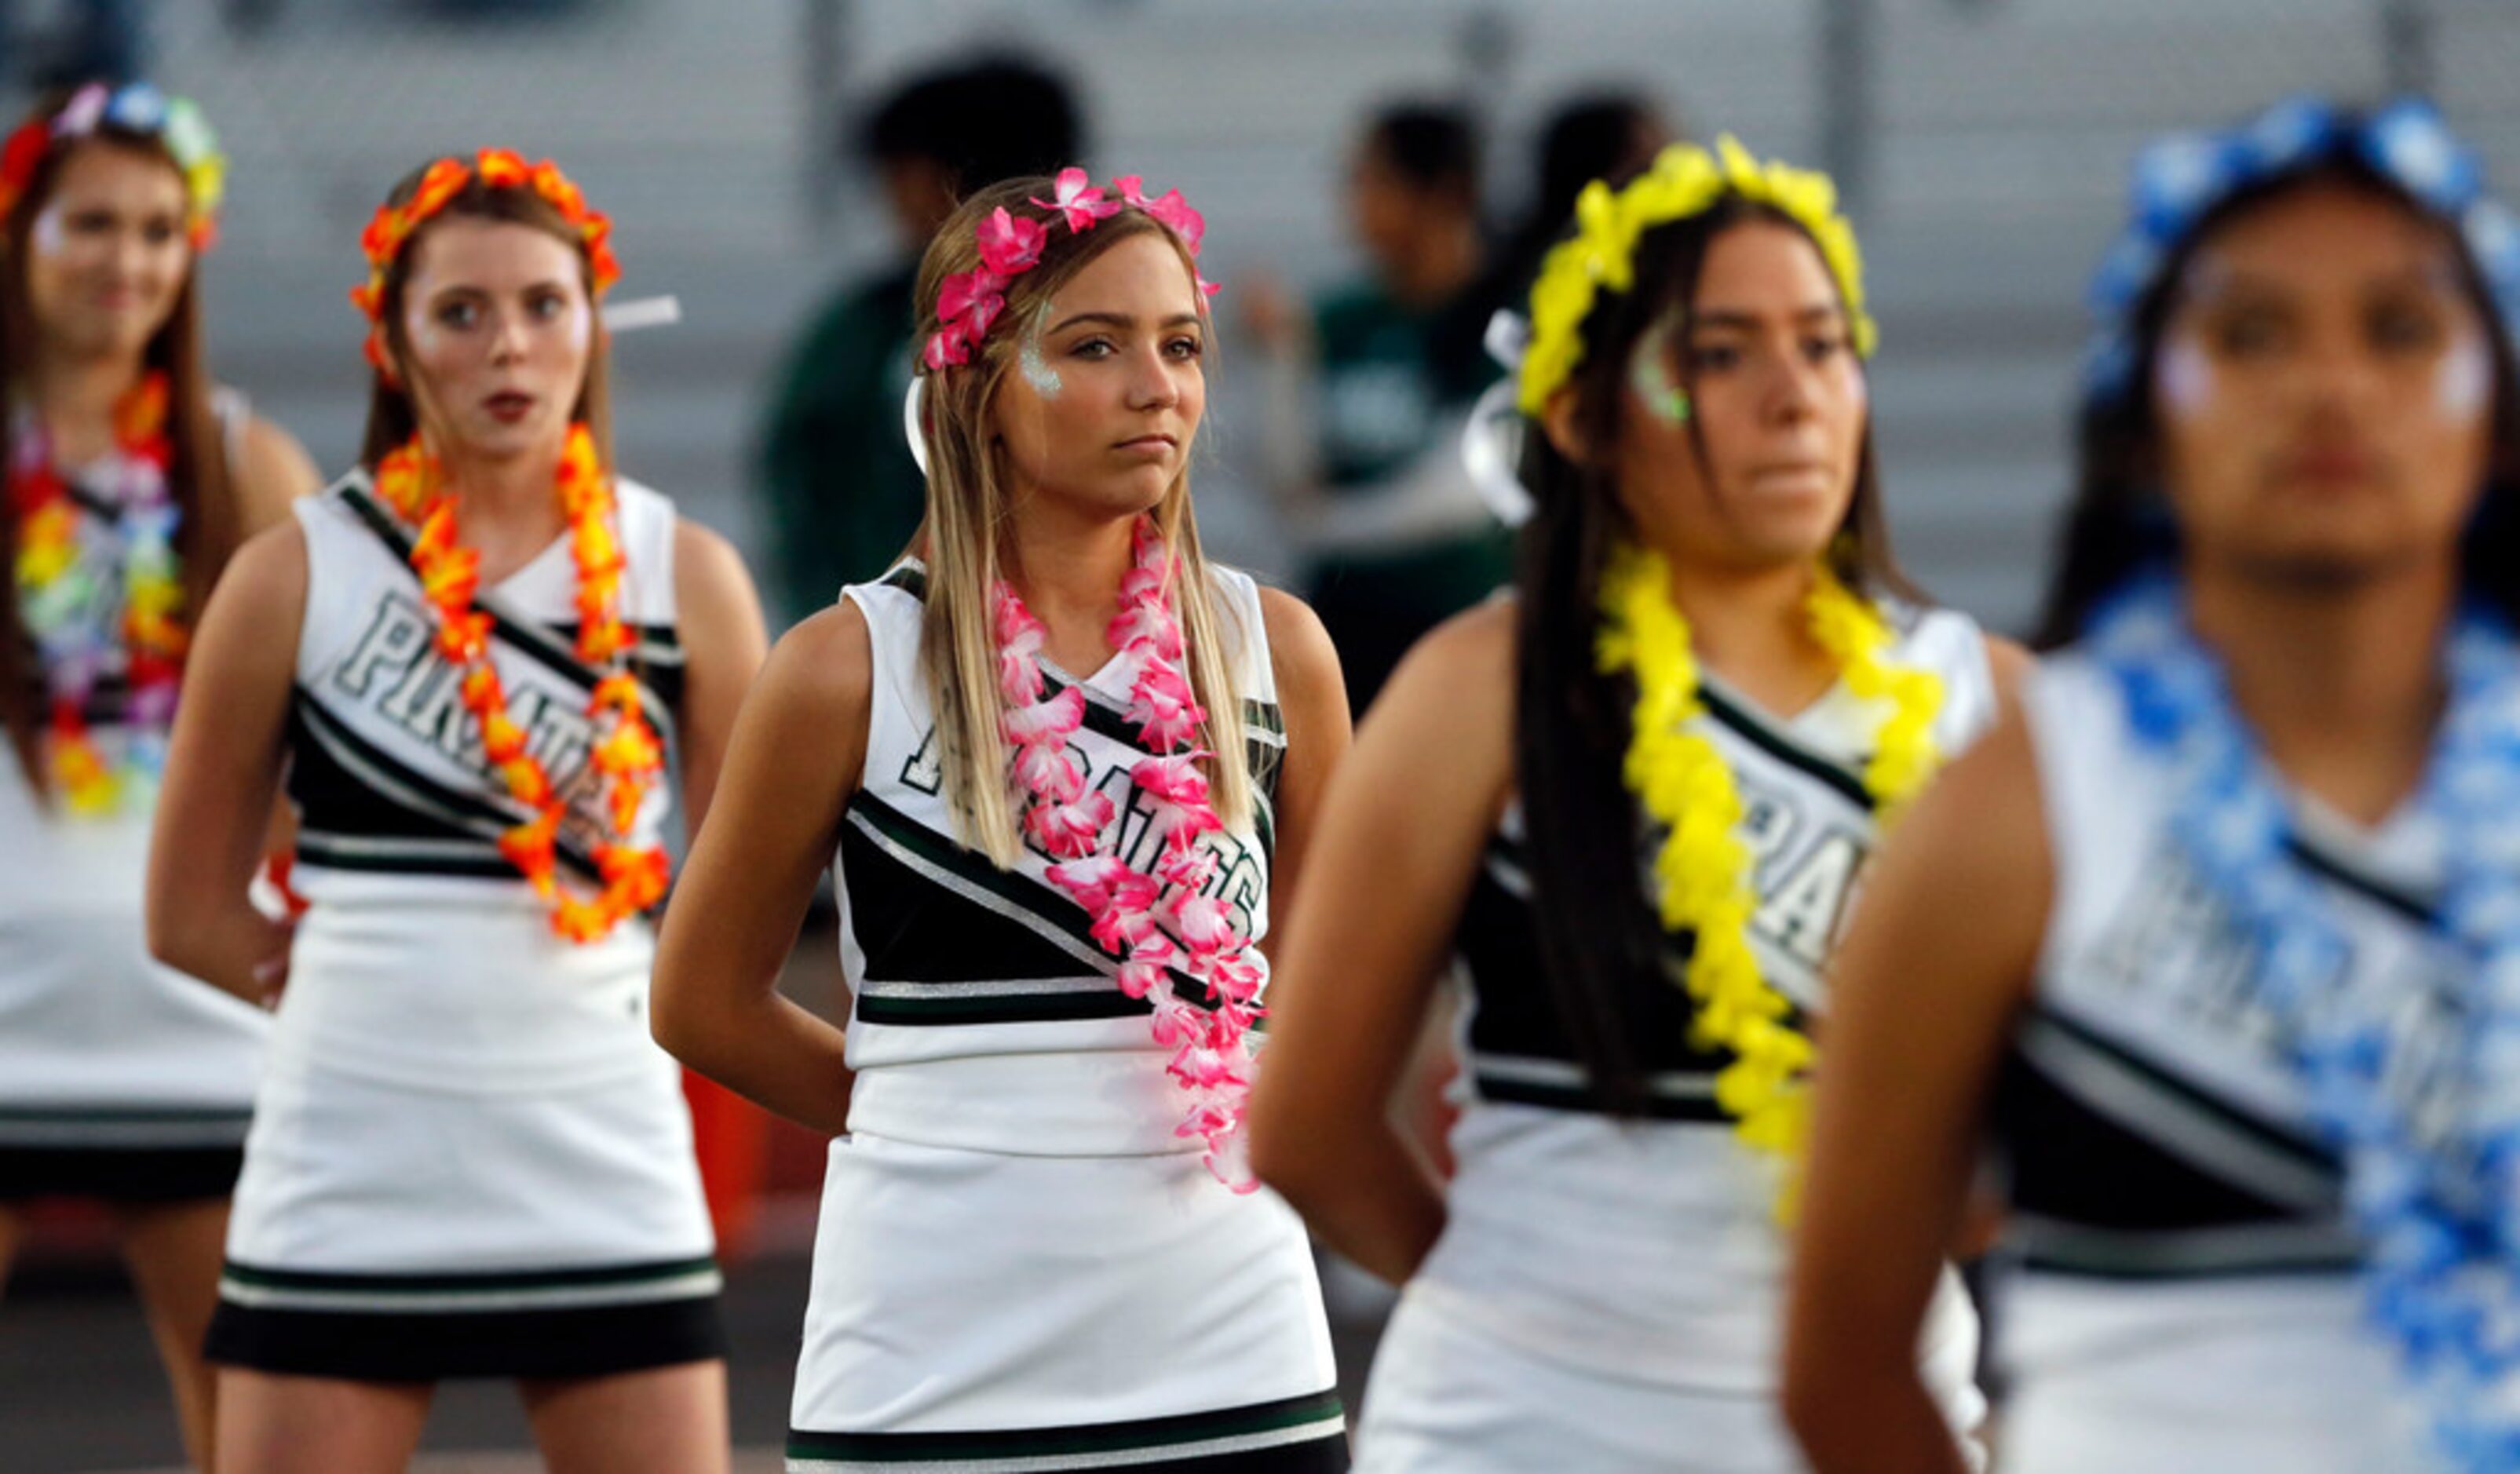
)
(1685, 180)
(1703, 869)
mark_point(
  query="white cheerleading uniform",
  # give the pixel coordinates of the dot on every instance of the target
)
(1019, 1264)
(468, 1158)
(119, 1077)
(1608, 1295)
(2186, 1298)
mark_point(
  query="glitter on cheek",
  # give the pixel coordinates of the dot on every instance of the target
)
(1650, 379)
(1044, 379)
(48, 237)
(421, 332)
(2185, 380)
(2466, 379)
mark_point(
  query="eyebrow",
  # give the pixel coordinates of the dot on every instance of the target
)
(2230, 282)
(1123, 320)
(458, 288)
(1726, 317)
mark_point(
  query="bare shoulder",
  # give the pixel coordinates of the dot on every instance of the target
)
(825, 664)
(2011, 663)
(1299, 647)
(703, 553)
(262, 593)
(276, 554)
(1467, 659)
(273, 469)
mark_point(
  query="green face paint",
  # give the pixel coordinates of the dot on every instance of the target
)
(1649, 374)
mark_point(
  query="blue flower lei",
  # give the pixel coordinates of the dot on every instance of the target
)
(2441, 1220)
(2181, 179)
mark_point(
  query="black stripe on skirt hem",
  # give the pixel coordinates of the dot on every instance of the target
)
(1154, 1440)
(1327, 1454)
(367, 1346)
(120, 1175)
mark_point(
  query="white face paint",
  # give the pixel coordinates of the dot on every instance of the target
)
(2184, 379)
(2466, 379)
(418, 329)
(47, 238)
(1044, 379)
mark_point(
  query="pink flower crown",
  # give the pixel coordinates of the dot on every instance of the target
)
(968, 302)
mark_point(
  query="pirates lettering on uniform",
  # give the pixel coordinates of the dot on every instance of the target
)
(1241, 879)
(1803, 911)
(923, 774)
(2174, 946)
(2173, 959)
(1806, 866)
(393, 670)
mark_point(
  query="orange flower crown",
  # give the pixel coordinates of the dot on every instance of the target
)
(496, 168)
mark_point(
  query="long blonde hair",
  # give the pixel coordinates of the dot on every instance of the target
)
(968, 513)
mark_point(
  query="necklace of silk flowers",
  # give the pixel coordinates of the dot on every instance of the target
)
(56, 593)
(2440, 1220)
(625, 754)
(1160, 923)
(1703, 869)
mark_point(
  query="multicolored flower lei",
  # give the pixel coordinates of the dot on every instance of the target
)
(626, 755)
(1703, 869)
(2440, 1219)
(140, 109)
(56, 593)
(394, 225)
(1160, 923)
(968, 302)
(1685, 180)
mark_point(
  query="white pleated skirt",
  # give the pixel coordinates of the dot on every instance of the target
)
(996, 1311)
(1451, 1395)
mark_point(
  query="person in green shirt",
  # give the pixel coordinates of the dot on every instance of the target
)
(1369, 400)
(844, 496)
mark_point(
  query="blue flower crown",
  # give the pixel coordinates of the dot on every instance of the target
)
(2181, 179)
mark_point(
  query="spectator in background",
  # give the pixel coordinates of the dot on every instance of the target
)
(88, 40)
(845, 495)
(1368, 399)
(1608, 135)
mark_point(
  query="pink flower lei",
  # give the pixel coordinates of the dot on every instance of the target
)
(968, 302)
(1157, 924)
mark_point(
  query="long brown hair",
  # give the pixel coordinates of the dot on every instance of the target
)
(210, 523)
(394, 413)
(968, 512)
(1571, 728)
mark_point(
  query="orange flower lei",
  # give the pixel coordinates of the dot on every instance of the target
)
(392, 227)
(626, 754)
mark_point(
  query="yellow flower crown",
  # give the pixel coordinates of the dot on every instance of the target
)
(1685, 180)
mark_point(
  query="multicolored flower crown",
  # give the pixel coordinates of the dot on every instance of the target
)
(140, 109)
(394, 225)
(1685, 180)
(968, 302)
(2183, 179)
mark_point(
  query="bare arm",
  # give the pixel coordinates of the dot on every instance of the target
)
(1312, 699)
(719, 615)
(1402, 830)
(223, 773)
(1927, 988)
(791, 764)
